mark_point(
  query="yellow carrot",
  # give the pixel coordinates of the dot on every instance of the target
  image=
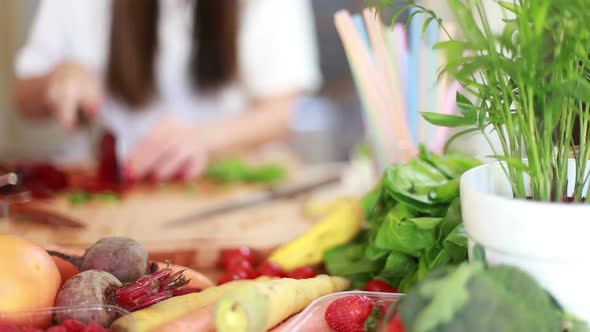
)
(150, 318)
(261, 306)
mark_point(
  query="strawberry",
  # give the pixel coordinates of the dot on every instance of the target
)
(243, 252)
(354, 313)
(270, 269)
(305, 272)
(31, 329)
(379, 286)
(396, 325)
(57, 328)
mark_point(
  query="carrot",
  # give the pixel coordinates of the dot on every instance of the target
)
(199, 320)
(152, 317)
(261, 306)
(197, 280)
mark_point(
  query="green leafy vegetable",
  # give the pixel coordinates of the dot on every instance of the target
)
(236, 170)
(472, 297)
(414, 220)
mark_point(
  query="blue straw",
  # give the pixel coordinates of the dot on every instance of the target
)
(359, 24)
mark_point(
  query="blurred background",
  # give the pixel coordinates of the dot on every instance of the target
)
(335, 108)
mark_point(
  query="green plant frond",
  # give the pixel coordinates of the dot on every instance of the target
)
(528, 83)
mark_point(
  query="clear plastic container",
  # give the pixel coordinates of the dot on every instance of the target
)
(44, 317)
(311, 319)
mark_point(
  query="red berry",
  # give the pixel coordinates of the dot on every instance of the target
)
(396, 325)
(305, 272)
(270, 269)
(239, 265)
(8, 327)
(94, 327)
(30, 329)
(349, 314)
(243, 252)
(73, 325)
(57, 329)
(380, 286)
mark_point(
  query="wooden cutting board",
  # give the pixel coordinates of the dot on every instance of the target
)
(142, 213)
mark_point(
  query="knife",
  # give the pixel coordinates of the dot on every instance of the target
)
(15, 203)
(105, 136)
(279, 192)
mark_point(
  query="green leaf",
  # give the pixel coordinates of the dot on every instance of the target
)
(451, 165)
(108, 197)
(512, 301)
(398, 265)
(445, 120)
(455, 244)
(479, 253)
(446, 192)
(79, 198)
(369, 201)
(411, 184)
(452, 219)
(409, 236)
(349, 259)
(511, 6)
(447, 296)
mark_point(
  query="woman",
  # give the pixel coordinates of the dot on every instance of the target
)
(178, 81)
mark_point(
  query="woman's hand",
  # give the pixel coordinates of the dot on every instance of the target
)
(72, 86)
(169, 150)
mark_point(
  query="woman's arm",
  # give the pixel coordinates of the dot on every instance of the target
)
(173, 148)
(67, 88)
(30, 96)
(266, 120)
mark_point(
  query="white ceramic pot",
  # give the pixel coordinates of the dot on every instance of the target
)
(551, 241)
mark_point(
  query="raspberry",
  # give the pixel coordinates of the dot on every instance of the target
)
(73, 325)
(7, 327)
(94, 327)
(30, 329)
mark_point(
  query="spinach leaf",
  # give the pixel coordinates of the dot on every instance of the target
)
(456, 244)
(446, 192)
(452, 219)
(452, 166)
(408, 236)
(412, 184)
(349, 259)
(236, 170)
(398, 265)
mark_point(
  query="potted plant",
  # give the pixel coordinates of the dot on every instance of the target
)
(528, 85)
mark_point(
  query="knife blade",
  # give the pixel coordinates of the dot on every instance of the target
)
(39, 215)
(279, 192)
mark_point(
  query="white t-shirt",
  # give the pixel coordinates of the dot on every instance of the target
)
(277, 54)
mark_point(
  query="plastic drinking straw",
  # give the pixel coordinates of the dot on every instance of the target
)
(361, 65)
(415, 44)
(386, 137)
(432, 37)
(424, 84)
(449, 107)
(400, 38)
(359, 24)
(395, 114)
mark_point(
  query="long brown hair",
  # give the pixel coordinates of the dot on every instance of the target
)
(134, 42)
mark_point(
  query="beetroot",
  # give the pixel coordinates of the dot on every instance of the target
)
(92, 287)
(124, 258)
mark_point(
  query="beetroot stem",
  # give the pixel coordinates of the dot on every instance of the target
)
(75, 260)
